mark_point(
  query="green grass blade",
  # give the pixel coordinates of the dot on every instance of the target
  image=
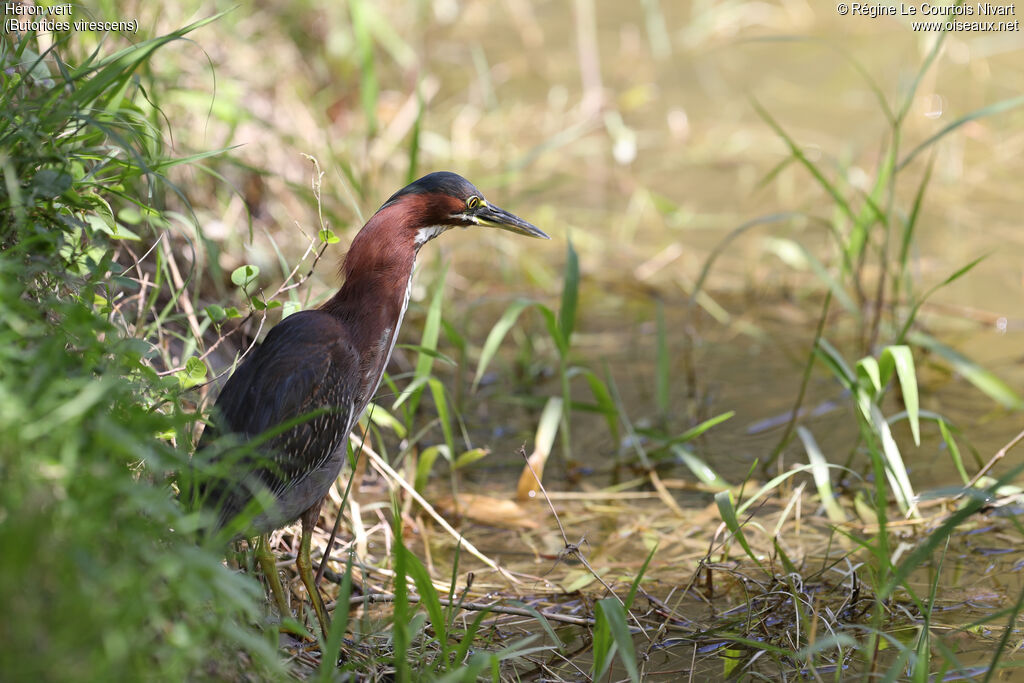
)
(822, 480)
(903, 359)
(960, 272)
(917, 558)
(443, 414)
(990, 110)
(983, 379)
(725, 507)
(428, 344)
(954, 450)
(695, 431)
(837, 364)
(429, 599)
(605, 402)
(570, 294)
(615, 615)
(496, 335)
(635, 586)
(799, 155)
(339, 624)
(662, 365)
(368, 84)
(699, 468)
(541, 619)
(895, 470)
(424, 465)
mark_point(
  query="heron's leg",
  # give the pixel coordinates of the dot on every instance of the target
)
(268, 563)
(305, 565)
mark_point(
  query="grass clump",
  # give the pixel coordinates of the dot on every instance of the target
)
(100, 575)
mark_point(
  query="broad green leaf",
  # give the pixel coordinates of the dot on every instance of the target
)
(193, 374)
(327, 236)
(242, 276)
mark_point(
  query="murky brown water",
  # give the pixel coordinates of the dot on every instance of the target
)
(675, 158)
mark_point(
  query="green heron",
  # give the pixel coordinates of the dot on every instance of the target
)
(316, 371)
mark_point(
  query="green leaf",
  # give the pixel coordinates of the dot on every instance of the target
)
(570, 295)
(699, 468)
(428, 344)
(639, 576)
(243, 275)
(695, 431)
(429, 598)
(995, 108)
(49, 183)
(437, 390)
(327, 236)
(895, 470)
(904, 361)
(551, 321)
(426, 463)
(339, 623)
(954, 450)
(216, 313)
(725, 507)
(496, 335)
(822, 480)
(470, 457)
(867, 368)
(605, 402)
(614, 615)
(835, 362)
(385, 420)
(983, 379)
(194, 373)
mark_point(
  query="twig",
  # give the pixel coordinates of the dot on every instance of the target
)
(179, 284)
(1000, 454)
(392, 475)
(572, 549)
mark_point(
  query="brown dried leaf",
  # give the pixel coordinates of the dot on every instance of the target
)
(487, 510)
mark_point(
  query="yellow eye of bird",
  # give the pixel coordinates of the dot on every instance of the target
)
(472, 202)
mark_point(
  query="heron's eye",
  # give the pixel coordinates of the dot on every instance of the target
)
(473, 202)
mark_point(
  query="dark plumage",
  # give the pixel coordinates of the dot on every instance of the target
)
(329, 363)
(301, 368)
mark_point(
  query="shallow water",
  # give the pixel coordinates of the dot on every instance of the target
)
(672, 161)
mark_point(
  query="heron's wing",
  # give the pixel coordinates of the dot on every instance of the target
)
(299, 384)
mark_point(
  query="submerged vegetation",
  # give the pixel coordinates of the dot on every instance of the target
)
(139, 261)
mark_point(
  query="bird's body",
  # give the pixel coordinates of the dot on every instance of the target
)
(311, 379)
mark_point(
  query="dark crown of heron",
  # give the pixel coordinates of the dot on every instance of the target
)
(380, 261)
